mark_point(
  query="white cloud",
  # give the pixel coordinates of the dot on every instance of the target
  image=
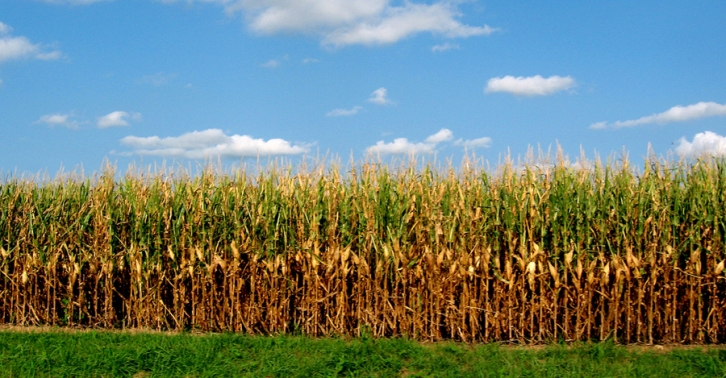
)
(16, 48)
(677, 113)
(344, 112)
(400, 146)
(472, 144)
(72, 2)
(704, 144)
(306, 15)
(310, 60)
(530, 86)
(272, 63)
(211, 143)
(346, 22)
(113, 119)
(5, 28)
(117, 118)
(445, 46)
(444, 135)
(53, 55)
(158, 79)
(20, 47)
(58, 120)
(397, 23)
(380, 97)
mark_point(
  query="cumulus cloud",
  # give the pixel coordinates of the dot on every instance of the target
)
(677, 113)
(158, 79)
(704, 144)
(16, 48)
(211, 143)
(444, 135)
(402, 146)
(344, 112)
(117, 119)
(304, 15)
(380, 97)
(58, 119)
(400, 22)
(347, 22)
(444, 47)
(12, 48)
(530, 86)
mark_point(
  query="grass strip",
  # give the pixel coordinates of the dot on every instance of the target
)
(140, 354)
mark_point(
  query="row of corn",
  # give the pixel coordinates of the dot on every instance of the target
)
(527, 254)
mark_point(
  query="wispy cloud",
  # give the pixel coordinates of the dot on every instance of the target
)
(445, 46)
(117, 119)
(704, 144)
(113, 119)
(72, 2)
(402, 146)
(599, 125)
(58, 119)
(344, 112)
(380, 97)
(677, 113)
(12, 48)
(158, 79)
(349, 22)
(310, 60)
(272, 63)
(530, 86)
(52, 55)
(5, 28)
(211, 143)
(473, 144)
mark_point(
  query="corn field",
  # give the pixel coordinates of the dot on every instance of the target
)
(525, 254)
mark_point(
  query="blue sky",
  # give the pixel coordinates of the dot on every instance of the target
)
(150, 80)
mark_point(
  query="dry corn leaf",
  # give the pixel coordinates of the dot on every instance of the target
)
(719, 268)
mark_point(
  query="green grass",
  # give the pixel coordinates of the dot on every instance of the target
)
(125, 354)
